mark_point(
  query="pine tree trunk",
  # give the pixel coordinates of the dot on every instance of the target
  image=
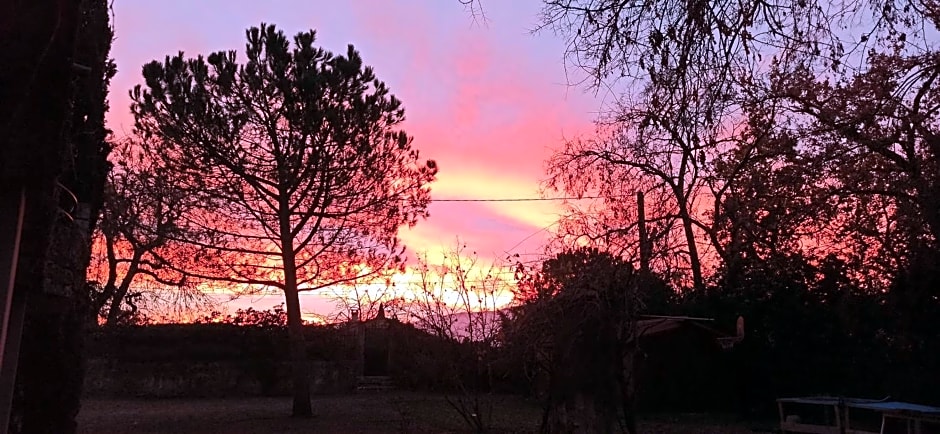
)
(295, 330)
(295, 327)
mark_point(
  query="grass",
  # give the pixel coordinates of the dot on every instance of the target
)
(387, 412)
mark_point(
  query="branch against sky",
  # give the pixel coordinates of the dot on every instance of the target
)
(459, 297)
(136, 245)
(668, 42)
(296, 155)
(666, 152)
(476, 10)
(693, 83)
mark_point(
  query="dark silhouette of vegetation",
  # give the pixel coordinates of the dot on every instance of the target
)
(457, 301)
(136, 241)
(577, 329)
(296, 158)
(52, 105)
(790, 163)
(790, 160)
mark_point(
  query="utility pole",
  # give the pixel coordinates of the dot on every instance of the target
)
(642, 282)
(646, 250)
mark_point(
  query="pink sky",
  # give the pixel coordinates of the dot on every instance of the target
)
(488, 101)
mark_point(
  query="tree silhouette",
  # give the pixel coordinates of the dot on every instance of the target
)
(295, 155)
(137, 240)
(715, 91)
(577, 326)
(822, 194)
(643, 148)
(54, 97)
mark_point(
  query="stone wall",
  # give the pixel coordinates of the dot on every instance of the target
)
(211, 379)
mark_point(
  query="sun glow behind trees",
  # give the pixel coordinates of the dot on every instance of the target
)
(296, 163)
(406, 294)
(175, 280)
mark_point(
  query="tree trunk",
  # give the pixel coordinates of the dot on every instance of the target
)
(581, 413)
(295, 331)
(114, 310)
(628, 380)
(52, 363)
(695, 263)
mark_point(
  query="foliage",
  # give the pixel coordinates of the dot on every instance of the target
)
(274, 317)
(806, 148)
(576, 330)
(296, 159)
(137, 258)
(54, 85)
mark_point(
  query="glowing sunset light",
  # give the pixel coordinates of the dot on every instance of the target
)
(487, 101)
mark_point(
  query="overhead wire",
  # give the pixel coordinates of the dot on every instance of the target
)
(526, 199)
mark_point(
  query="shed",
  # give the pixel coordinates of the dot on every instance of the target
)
(839, 415)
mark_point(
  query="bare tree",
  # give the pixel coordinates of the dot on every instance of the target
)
(665, 151)
(135, 243)
(684, 75)
(669, 44)
(296, 155)
(362, 300)
(459, 300)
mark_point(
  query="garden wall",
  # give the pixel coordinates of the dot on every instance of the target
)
(212, 360)
(215, 379)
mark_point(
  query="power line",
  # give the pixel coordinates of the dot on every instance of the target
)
(532, 235)
(525, 199)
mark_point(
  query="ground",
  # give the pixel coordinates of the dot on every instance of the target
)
(387, 412)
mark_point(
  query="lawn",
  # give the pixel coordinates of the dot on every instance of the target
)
(387, 412)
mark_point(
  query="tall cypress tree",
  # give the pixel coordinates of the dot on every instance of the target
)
(72, 80)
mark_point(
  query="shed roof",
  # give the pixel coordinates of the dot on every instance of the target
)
(650, 325)
(879, 405)
(827, 400)
(901, 407)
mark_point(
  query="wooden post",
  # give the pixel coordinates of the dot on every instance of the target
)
(645, 249)
(840, 416)
(630, 386)
(12, 210)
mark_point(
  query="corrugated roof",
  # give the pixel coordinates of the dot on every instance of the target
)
(900, 407)
(827, 400)
(883, 406)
